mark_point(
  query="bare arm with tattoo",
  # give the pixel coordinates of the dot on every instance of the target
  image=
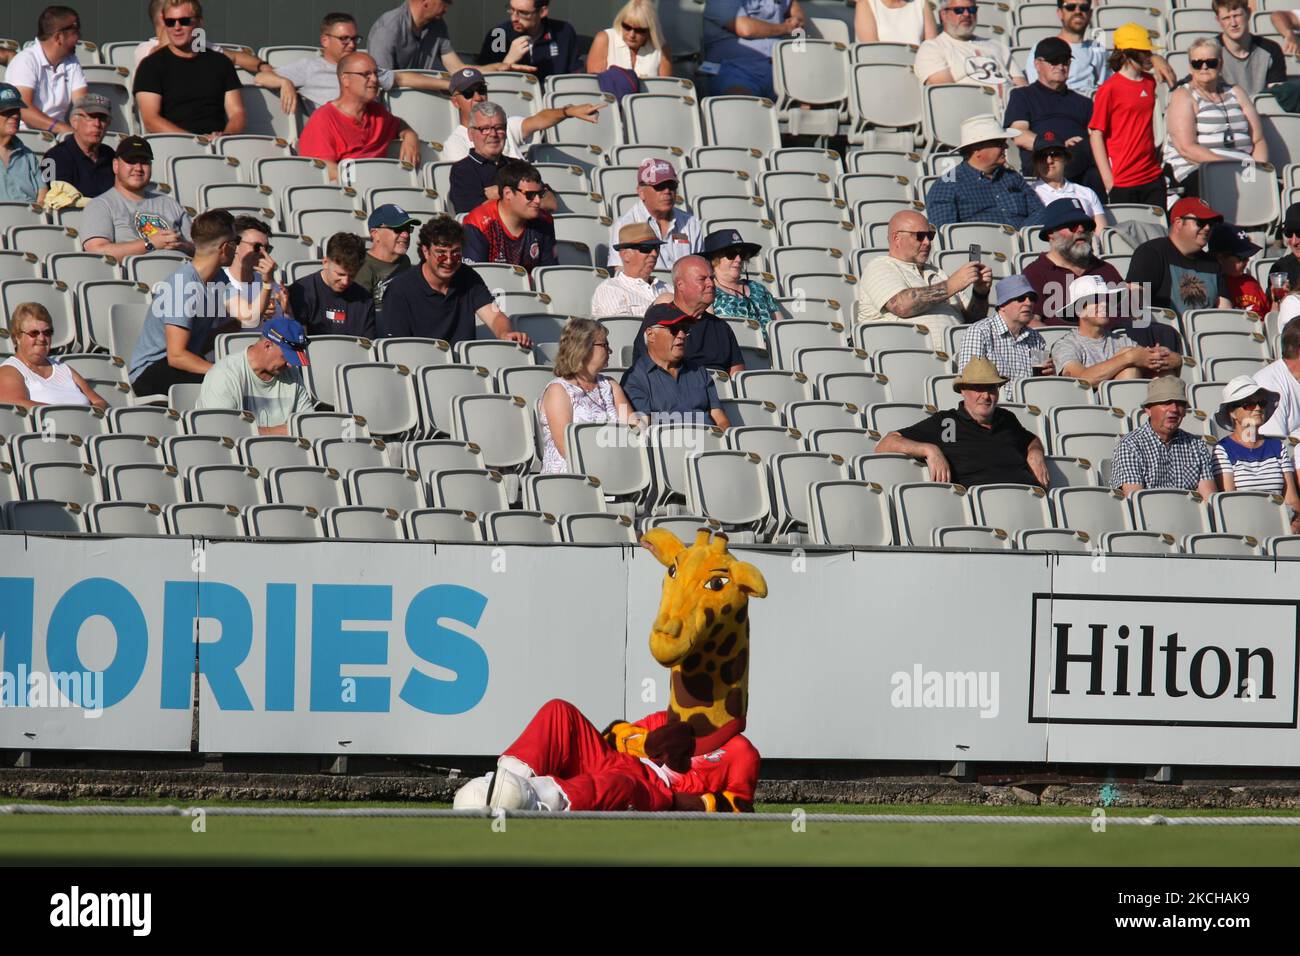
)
(913, 302)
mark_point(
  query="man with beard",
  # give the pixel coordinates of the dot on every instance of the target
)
(1088, 67)
(958, 55)
(1289, 264)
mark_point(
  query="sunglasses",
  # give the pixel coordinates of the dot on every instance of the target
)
(960, 11)
(1291, 233)
(475, 91)
(1251, 403)
(732, 253)
(1081, 227)
(40, 334)
(1026, 297)
(1211, 64)
(531, 195)
(178, 21)
(259, 247)
(1077, 7)
(1200, 223)
(670, 186)
(631, 29)
(921, 234)
(645, 247)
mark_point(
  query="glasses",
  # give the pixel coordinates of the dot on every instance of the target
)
(70, 28)
(400, 230)
(352, 40)
(258, 247)
(8, 113)
(1026, 297)
(922, 235)
(40, 334)
(444, 255)
(1251, 403)
(531, 195)
(644, 248)
(1077, 7)
(729, 254)
(961, 11)
(178, 21)
(670, 186)
(1054, 154)
(1080, 227)
(1200, 223)
(1064, 63)
(1211, 64)
(601, 345)
(521, 14)
(490, 130)
(367, 73)
(631, 29)
(474, 91)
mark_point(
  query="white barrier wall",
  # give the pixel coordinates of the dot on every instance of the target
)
(350, 647)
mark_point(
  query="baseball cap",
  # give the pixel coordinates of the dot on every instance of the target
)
(92, 104)
(653, 171)
(1292, 218)
(1132, 36)
(390, 216)
(1053, 50)
(291, 337)
(1190, 206)
(1012, 287)
(466, 78)
(1226, 237)
(134, 149)
(1051, 136)
(666, 314)
(637, 234)
(10, 98)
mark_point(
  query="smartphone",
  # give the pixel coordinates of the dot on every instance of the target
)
(976, 254)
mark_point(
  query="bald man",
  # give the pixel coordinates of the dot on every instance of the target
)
(904, 287)
(711, 342)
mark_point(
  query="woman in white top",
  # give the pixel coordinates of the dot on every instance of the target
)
(29, 377)
(1050, 161)
(635, 42)
(578, 393)
(894, 21)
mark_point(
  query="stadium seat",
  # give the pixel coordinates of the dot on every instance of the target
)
(615, 454)
(265, 452)
(368, 523)
(73, 268)
(60, 481)
(428, 456)
(807, 417)
(817, 361)
(849, 443)
(886, 417)
(1047, 391)
(187, 173)
(521, 527)
(1126, 393)
(279, 520)
(850, 514)
(32, 447)
(412, 352)
(328, 354)
(733, 488)
(345, 454)
(906, 371)
(1064, 472)
(969, 537)
(669, 445)
(1013, 507)
(443, 525)
(104, 451)
(598, 528)
(279, 173)
(263, 115)
(561, 494)
(1053, 539)
(236, 485)
(248, 148)
(1222, 545)
(315, 426)
(185, 452)
(17, 263)
(81, 420)
(765, 441)
(1170, 510)
(153, 267)
(383, 487)
(885, 95)
(500, 425)
(382, 393)
(306, 485)
(1098, 511)
(775, 386)
(1253, 513)
(475, 490)
(155, 483)
(204, 519)
(792, 474)
(1076, 419)
(945, 105)
(922, 507)
(606, 132)
(229, 423)
(233, 343)
(1139, 542)
(859, 388)
(46, 516)
(811, 73)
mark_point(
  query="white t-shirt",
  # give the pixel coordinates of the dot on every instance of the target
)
(905, 24)
(52, 86)
(1276, 377)
(458, 145)
(250, 292)
(979, 60)
(59, 389)
(1049, 194)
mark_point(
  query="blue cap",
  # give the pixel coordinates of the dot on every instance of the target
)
(1012, 287)
(291, 337)
(10, 98)
(390, 216)
(1063, 212)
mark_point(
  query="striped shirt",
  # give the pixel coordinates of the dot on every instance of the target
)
(1263, 468)
(1221, 127)
(1012, 354)
(1142, 459)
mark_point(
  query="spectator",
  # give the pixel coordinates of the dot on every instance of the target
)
(316, 78)
(1158, 454)
(390, 237)
(413, 36)
(20, 177)
(1283, 378)
(181, 89)
(739, 37)
(1048, 111)
(905, 286)
(1093, 352)
(468, 88)
(1233, 248)
(255, 296)
(711, 344)
(514, 228)
(133, 217)
(531, 37)
(635, 42)
(894, 21)
(958, 55)
(1120, 132)
(82, 160)
(579, 392)
(981, 188)
(187, 312)
(657, 205)
(1174, 271)
(355, 126)
(634, 288)
(975, 443)
(47, 74)
(736, 296)
(329, 302)
(1208, 120)
(30, 378)
(1251, 62)
(264, 379)
(1006, 339)
(442, 298)
(1246, 460)
(663, 384)
(242, 60)
(1289, 265)
(1051, 160)
(1087, 56)
(474, 178)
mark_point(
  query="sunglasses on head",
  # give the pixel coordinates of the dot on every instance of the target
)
(178, 21)
(1210, 64)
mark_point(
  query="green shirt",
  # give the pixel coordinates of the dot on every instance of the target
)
(376, 274)
(232, 383)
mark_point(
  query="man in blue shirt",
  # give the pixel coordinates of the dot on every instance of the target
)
(662, 385)
(549, 45)
(981, 188)
(739, 37)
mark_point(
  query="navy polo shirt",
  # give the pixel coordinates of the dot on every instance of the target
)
(412, 307)
(653, 391)
(710, 342)
(470, 178)
(554, 51)
(90, 177)
(1066, 112)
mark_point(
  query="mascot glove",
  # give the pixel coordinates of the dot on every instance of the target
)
(626, 738)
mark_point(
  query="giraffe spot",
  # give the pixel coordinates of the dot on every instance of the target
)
(693, 690)
(710, 667)
(717, 628)
(691, 663)
(734, 669)
(673, 716)
(709, 646)
(701, 724)
(742, 614)
(735, 702)
(708, 616)
(726, 610)
(727, 645)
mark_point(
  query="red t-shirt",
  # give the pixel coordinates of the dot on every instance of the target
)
(733, 766)
(1122, 111)
(1245, 293)
(332, 136)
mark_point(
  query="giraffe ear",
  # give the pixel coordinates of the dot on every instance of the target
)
(663, 544)
(749, 579)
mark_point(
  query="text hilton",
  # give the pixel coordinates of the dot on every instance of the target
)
(1145, 649)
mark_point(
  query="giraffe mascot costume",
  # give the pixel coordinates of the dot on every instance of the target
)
(692, 756)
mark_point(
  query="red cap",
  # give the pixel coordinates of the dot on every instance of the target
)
(654, 171)
(667, 314)
(1192, 207)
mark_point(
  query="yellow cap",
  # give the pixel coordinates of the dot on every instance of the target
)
(1131, 36)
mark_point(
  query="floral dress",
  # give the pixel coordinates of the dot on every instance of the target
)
(594, 406)
(758, 305)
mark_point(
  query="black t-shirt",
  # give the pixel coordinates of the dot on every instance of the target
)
(376, 274)
(710, 343)
(193, 90)
(978, 455)
(412, 307)
(89, 176)
(470, 177)
(322, 311)
(1176, 281)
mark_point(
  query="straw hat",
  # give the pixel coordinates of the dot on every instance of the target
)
(978, 371)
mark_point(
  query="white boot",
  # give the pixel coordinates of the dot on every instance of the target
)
(509, 791)
(515, 766)
(549, 795)
(473, 795)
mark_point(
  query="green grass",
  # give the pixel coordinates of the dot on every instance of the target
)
(26, 840)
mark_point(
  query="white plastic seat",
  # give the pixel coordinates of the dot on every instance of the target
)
(1222, 545)
(494, 354)
(886, 95)
(156, 483)
(1090, 419)
(364, 175)
(1011, 507)
(606, 132)
(345, 454)
(1139, 542)
(1064, 472)
(443, 525)
(265, 452)
(810, 416)
(792, 474)
(153, 267)
(320, 224)
(736, 120)
(850, 514)
(889, 417)
(369, 523)
(400, 488)
(1247, 201)
(989, 236)
(969, 537)
(818, 361)
(848, 443)
(125, 517)
(875, 337)
(669, 445)
(811, 73)
(382, 393)
(858, 388)
(732, 487)
(775, 386)
(42, 241)
(1098, 511)
(187, 173)
(521, 527)
(1170, 510)
(501, 425)
(46, 516)
(765, 441)
(315, 426)
(183, 396)
(74, 268)
(203, 519)
(221, 421)
(945, 105)
(922, 507)
(17, 264)
(616, 454)
(1253, 513)
(1131, 393)
(57, 298)
(146, 420)
(24, 449)
(312, 485)
(441, 454)
(1053, 539)
(60, 481)
(263, 115)
(561, 494)
(475, 490)
(1209, 346)
(661, 118)
(105, 450)
(279, 520)
(81, 420)
(597, 528)
(236, 485)
(751, 411)
(1047, 391)
(907, 370)
(190, 451)
(1092, 447)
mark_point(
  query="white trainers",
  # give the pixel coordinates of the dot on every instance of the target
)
(509, 791)
(473, 795)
